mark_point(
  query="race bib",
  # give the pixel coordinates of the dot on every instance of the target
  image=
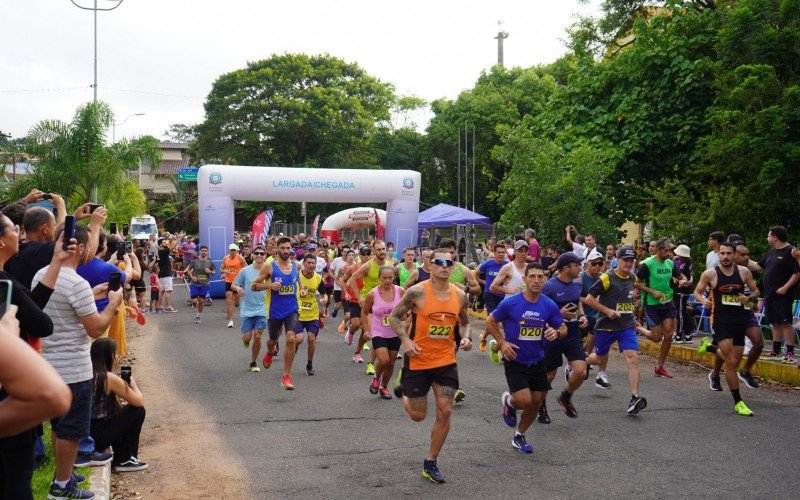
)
(625, 307)
(286, 290)
(385, 321)
(439, 332)
(201, 277)
(306, 306)
(531, 333)
(730, 300)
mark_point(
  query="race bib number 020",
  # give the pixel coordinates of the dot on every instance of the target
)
(439, 332)
(532, 333)
(625, 307)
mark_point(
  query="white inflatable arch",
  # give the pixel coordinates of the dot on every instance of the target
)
(219, 185)
(347, 220)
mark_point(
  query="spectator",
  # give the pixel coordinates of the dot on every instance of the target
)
(155, 290)
(113, 425)
(712, 258)
(611, 257)
(139, 286)
(578, 245)
(75, 322)
(534, 249)
(685, 322)
(165, 275)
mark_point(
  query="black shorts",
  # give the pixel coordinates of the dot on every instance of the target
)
(76, 423)
(589, 330)
(327, 289)
(228, 287)
(735, 333)
(290, 323)
(417, 383)
(533, 377)
(337, 295)
(570, 347)
(153, 294)
(657, 314)
(392, 344)
(491, 302)
(778, 309)
(353, 308)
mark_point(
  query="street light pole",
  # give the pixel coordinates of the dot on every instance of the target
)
(114, 126)
(95, 9)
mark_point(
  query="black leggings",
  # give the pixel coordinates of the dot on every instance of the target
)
(120, 432)
(16, 471)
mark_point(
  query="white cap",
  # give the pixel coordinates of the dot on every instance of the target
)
(594, 254)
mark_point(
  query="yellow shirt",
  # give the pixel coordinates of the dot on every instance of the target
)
(308, 307)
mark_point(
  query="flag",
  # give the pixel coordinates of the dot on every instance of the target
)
(379, 230)
(267, 221)
(315, 226)
(260, 227)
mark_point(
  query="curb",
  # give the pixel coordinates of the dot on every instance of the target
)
(770, 370)
(100, 481)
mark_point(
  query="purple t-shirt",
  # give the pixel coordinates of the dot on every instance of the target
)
(189, 250)
(534, 250)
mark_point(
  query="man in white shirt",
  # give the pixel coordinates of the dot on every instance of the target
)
(579, 244)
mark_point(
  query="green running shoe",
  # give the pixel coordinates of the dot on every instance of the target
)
(370, 369)
(494, 355)
(742, 409)
(365, 347)
(703, 347)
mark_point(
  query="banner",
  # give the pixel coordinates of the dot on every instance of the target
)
(260, 227)
(379, 230)
(314, 227)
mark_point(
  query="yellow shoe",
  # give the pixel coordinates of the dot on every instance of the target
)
(742, 409)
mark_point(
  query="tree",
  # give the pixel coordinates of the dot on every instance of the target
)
(73, 158)
(180, 132)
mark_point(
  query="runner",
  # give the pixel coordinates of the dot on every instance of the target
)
(422, 273)
(231, 265)
(253, 309)
(378, 305)
(355, 288)
(310, 314)
(527, 317)
(200, 270)
(612, 295)
(491, 268)
(369, 273)
(436, 307)
(336, 265)
(564, 289)
(595, 263)
(407, 267)
(656, 275)
(281, 300)
(727, 302)
(509, 280)
(345, 294)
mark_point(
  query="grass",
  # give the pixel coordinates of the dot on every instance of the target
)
(44, 474)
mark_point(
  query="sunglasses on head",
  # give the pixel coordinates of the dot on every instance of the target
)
(444, 262)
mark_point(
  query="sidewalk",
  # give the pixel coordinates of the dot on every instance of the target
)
(764, 368)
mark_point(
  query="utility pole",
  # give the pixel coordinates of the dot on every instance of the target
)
(501, 35)
(466, 165)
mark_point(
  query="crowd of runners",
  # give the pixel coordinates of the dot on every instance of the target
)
(543, 307)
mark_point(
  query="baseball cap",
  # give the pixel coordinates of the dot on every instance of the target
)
(626, 253)
(519, 244)
(365, 250)
(312, 247)
(683, 251)
(566, 259)
(233, 246)
(594, 255)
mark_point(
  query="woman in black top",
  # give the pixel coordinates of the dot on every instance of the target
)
(16, 452)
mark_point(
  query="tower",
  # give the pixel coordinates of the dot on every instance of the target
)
(501, 35)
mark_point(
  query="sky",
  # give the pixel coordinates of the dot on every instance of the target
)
(161, 57)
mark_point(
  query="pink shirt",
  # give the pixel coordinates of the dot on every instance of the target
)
(534, 251)
(380, 313)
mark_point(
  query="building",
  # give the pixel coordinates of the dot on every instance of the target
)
(159, 183)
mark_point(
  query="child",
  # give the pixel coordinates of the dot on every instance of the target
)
(154, 290)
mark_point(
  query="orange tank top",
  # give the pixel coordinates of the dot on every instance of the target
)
(233, 266)
(433, 329)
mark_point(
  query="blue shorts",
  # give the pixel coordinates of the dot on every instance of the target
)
(309, 326)
(77, 422)
(196, 291)
(626, 339)
(250, 323)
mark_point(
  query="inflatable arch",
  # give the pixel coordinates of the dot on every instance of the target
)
(219, 185)
(350, 219)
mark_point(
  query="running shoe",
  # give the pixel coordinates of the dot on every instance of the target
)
(79, 478)
(357, 358)
(374, 385)
(131, 465)
(748, 379)
(286, 383)
(92, 459)
(788, 358)
(602, 382)
(494, 355)
(399, 356)
(254, 367)
(398, 388)
(365, 347)
(687, 338)
(636, 405)
(431, 471)
(321, 324)
(743, 410)
(509, 412)
(521, 444)
(370, 369)
(705, 342)
(71, 490)
(384, 393)
(770, 354)
(348, 338)
(482, 343)
(568, 373)
(267, 360)
(170, 309)
(677, 339)
(543, 417)
(197, 319)
(661, 372)
(569, 409)
(459, 396)
(341, 328)
(335, 312)
(310, 369)
(714, 382)
(230, 323)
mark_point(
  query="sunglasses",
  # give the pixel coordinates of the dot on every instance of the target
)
(599, 263)
(444, 262)
(259, 253)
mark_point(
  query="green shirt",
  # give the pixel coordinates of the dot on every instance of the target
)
(658, 276)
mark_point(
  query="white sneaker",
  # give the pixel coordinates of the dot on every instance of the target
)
(230, 323)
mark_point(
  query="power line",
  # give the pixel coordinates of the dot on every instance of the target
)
(61, 89)
(153, 93)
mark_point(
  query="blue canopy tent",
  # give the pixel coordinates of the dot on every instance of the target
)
(462, 221)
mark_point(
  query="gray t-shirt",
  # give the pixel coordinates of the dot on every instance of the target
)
(198, 268)
(67, 349)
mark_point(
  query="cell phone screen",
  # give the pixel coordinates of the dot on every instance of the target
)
(128, 246)
(114, 281)
(113, 228)
(125, 373)
(5, 296)
(124, 230)
(120, 250)
(93, 207)
(69, 230)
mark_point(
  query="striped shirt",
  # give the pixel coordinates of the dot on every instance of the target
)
(67, 349)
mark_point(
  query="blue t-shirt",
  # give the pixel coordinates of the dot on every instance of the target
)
(524, 324)
(588, 282)
(490, 269)
(252, 303)
(562, 294)
(96, 272)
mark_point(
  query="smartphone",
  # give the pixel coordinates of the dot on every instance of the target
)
(5, 296)
(69, 230)
(47, 196)
(113, 228)
(125, 373)
(93, 207)
(128, 247)
(114, 281)
(120, 250)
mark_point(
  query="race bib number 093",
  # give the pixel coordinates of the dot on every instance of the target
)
(286, 290)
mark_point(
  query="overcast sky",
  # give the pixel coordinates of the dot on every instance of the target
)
(160, 57)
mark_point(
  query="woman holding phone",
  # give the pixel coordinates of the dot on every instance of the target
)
(16, 452)
(112, 424)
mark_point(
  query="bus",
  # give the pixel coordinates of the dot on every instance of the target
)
(142, 227)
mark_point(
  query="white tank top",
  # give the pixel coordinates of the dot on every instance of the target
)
(516, 279)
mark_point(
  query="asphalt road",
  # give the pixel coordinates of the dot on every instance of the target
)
(330, 438)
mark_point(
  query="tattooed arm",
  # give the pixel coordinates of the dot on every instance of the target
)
(413, 298)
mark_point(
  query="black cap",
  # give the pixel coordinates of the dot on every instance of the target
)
(566, 259)
(626, 253)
